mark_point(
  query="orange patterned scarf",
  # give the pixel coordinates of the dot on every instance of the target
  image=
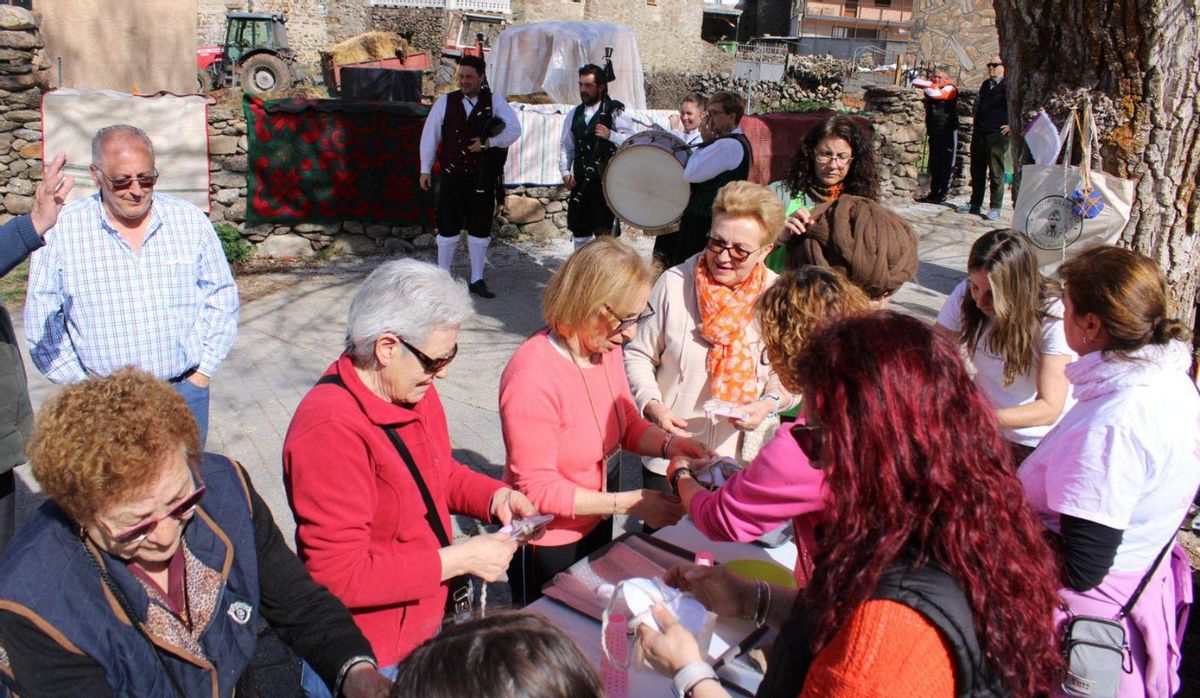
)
(724, 314)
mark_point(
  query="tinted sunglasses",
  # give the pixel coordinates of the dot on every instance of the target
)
(429, 364)
(737, 253)
(122, 183)
(181, 511)
(994, 65)
(625, 324)
(810, 438)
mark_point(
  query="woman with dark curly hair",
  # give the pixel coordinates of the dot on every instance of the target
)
(932, 578)
(835, 158)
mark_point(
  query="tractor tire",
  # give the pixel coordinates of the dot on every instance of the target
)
(263, 74)
(205, 82)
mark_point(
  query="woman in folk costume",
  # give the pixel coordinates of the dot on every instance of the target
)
(703, 342)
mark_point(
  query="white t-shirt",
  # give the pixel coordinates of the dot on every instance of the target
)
(1127, 456)
(990, 366)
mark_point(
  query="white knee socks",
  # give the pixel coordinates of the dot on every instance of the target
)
(477, 247)
(581, 241)
(446, 247)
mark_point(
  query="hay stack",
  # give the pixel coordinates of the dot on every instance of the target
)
(371, 46)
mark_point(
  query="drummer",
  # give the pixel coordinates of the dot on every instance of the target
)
(724, 157)
(591, 134)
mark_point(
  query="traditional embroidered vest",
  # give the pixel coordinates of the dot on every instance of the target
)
(458, 128)
(50, 575)
(591, 152)
(704, 193)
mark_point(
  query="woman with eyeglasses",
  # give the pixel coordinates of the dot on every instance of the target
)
(1009, 318)
(834, 158)
(566, 412)
(932, 578)
(152, 566)
(703, 342)
(370, 475)
(779, 486)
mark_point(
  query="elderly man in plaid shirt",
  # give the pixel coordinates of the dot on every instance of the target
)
(128, 277)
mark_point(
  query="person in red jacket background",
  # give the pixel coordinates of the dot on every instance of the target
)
(361, 524)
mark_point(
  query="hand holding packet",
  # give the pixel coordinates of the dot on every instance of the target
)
(529, 528)
(720, 408)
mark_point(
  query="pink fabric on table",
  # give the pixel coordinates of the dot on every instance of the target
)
(1154, 628)
(778, 486)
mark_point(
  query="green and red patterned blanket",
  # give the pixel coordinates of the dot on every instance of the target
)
(325, 161)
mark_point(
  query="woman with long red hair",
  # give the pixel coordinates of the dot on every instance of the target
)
(932, 577)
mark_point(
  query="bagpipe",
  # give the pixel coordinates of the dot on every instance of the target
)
(593, 168)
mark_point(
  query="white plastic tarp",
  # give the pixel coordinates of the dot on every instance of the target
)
(546, 57)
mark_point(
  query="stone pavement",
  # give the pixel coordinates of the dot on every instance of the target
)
(287, 338)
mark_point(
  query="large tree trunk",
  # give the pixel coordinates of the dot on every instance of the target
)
(1138, 62)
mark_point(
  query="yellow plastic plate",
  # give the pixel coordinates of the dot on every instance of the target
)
(769, 572)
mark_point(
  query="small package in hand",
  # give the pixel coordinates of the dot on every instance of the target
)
(713, 472)
(714, 409)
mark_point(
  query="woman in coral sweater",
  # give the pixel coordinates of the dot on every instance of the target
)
(932, 578)
(566, 411)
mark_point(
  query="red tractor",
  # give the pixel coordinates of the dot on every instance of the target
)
(255, 56)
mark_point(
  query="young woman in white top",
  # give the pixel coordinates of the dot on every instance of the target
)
(1010, 319)
(1114, 479)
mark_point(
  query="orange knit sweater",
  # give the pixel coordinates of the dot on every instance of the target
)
(885, 650)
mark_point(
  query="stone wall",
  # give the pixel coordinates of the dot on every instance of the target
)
(958, 33)
(424, 28)
(24, 75)
(899, 120)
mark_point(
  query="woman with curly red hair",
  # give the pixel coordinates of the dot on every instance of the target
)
(932, 577)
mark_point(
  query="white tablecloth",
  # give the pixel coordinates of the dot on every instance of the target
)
(645, 683)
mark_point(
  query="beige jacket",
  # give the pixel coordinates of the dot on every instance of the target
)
(666, 362)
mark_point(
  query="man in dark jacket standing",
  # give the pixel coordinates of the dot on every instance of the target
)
(941, 123)
(989, 142)
(18, 238)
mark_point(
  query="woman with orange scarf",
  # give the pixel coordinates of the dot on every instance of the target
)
(702, 343)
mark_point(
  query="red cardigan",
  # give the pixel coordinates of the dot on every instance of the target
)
(360, 520)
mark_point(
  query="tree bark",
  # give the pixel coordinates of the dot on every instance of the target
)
(1137, 62)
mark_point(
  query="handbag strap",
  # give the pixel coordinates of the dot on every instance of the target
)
(430, 508)
(127, 607)
(1137, 593)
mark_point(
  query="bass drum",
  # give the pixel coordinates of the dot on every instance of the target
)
(644, 184)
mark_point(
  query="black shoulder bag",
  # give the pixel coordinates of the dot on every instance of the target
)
(458, 601)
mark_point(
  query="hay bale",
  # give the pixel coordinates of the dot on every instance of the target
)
(371, 46)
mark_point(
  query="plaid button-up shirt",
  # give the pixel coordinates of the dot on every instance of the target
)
(94, 305)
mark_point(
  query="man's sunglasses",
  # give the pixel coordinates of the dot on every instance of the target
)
(181, 511)
(429, 364)
(994, 65)
(122, 183)
(810, 438)
(626, 323)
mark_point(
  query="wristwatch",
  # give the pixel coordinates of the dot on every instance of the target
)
(686, 679)
(675, 478)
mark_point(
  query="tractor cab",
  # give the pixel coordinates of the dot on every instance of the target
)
(255, 55)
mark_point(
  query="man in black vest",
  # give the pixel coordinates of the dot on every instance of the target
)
(989, 142)
(724, 157)
(941, 123)
(461, 129)
(591, 134)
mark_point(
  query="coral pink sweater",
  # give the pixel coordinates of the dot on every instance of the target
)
(553, 434)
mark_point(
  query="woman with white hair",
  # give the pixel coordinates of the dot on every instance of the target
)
(369, 472)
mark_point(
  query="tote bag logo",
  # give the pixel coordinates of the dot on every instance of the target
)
(1052, 223)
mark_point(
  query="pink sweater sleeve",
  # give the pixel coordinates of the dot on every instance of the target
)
(776, 487)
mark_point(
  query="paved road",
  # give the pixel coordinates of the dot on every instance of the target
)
(288, 337)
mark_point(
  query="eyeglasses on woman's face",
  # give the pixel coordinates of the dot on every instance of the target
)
(825, 157)
(181, 511)
(429, 364)
(627, 322)
(737, 253)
